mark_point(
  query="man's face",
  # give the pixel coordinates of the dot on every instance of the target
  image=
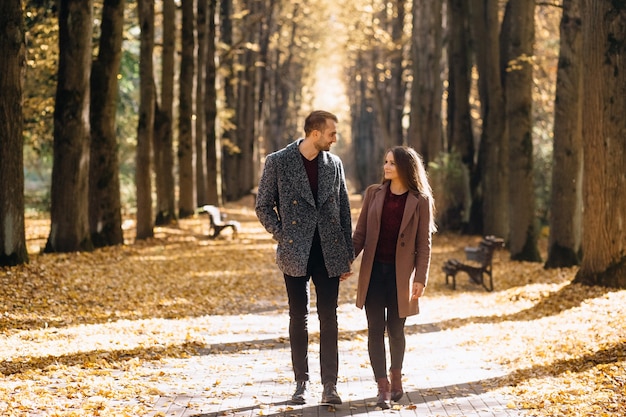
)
(324, 139)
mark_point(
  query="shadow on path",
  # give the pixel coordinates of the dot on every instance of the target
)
(566, 298)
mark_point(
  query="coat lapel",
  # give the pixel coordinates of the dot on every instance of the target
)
(326, 178)
(299, 176)
(410, 208)
(378, 203)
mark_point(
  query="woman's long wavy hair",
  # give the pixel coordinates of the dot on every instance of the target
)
(410, 167)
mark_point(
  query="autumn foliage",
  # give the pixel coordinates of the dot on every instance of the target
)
(76, 328)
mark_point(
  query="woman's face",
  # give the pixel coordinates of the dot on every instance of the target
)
(390, 170)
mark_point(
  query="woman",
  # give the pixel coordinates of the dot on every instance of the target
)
(394, 232)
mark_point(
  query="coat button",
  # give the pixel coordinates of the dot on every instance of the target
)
(290, 240)
(402, 244)
(293, 222)
(295, 201)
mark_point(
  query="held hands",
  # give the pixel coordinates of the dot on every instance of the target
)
(345, 275)
(418, 290)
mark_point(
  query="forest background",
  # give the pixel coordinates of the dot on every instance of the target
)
(118, 119)
(470, 85)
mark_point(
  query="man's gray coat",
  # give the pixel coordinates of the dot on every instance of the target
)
(286, 208)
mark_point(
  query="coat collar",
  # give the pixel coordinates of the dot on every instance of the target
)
(325, 174)
(409, 208)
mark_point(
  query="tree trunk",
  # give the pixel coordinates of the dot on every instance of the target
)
(459, 133)
(13, 249)
(200, 134)
(492, 169)
(397, 87)
(368, 147)
(69, 228)
(186, 189)
(105, 207)
(247, 93)
(425, 131)
(604, 127)
(145, 128)
(567, 169)
(228, 148)
(163, 136)
(519, 83)
(214, 192)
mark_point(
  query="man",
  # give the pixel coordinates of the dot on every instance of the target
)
(303, 202)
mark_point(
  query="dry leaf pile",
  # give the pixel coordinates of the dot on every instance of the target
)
(84, 333)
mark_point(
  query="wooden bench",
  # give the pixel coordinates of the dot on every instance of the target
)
(480, 270)
(216, 221)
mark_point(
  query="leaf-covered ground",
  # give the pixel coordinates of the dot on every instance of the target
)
(76, 330)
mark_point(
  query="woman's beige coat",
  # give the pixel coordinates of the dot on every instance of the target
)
(412, 248)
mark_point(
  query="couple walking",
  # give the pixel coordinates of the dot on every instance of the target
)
(303, 202)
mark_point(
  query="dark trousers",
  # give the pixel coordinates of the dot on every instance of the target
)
(381, 308)
(327, 291)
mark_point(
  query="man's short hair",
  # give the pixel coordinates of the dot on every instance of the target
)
(317, 121)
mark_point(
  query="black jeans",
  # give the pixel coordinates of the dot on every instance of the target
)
(327, 291)
(381, 308)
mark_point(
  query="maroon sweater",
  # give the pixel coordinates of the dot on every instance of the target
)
(390, 221)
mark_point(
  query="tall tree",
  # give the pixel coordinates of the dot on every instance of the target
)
(453, 212)
(397, 87)
(105, 216)
(604, 127)
(567, 170)
(145, 128)
(202, 22)
(214, 192)
(491, 175)
(163, 135)
(69, 228)
(12, 236)
(247, 93)
(226, 54)
(425, 131)
(519, 81)
(459, 133)
(186, 189)
(285, 72)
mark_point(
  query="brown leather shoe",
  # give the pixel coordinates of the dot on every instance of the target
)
(396, 384)
(329, 395)
(384, 396)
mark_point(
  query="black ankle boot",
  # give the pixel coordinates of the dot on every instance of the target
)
(299, 395)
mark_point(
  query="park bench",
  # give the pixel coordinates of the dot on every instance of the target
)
(480, 268)
(216, 221)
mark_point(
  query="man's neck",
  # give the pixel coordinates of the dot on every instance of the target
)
(308, 149)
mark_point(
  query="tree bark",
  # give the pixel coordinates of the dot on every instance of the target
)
(13, 249)
(425, 132)
(459, 133)
(491, 174)
(567, 170)
(105, 207)
(186, 176)
(228, 149)
(604, 127)
(247, 93)
(163, 136)
(200, 133)
(69, 222)
(145, 128)
(397, 84)
(214, 192)
(519, 82)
